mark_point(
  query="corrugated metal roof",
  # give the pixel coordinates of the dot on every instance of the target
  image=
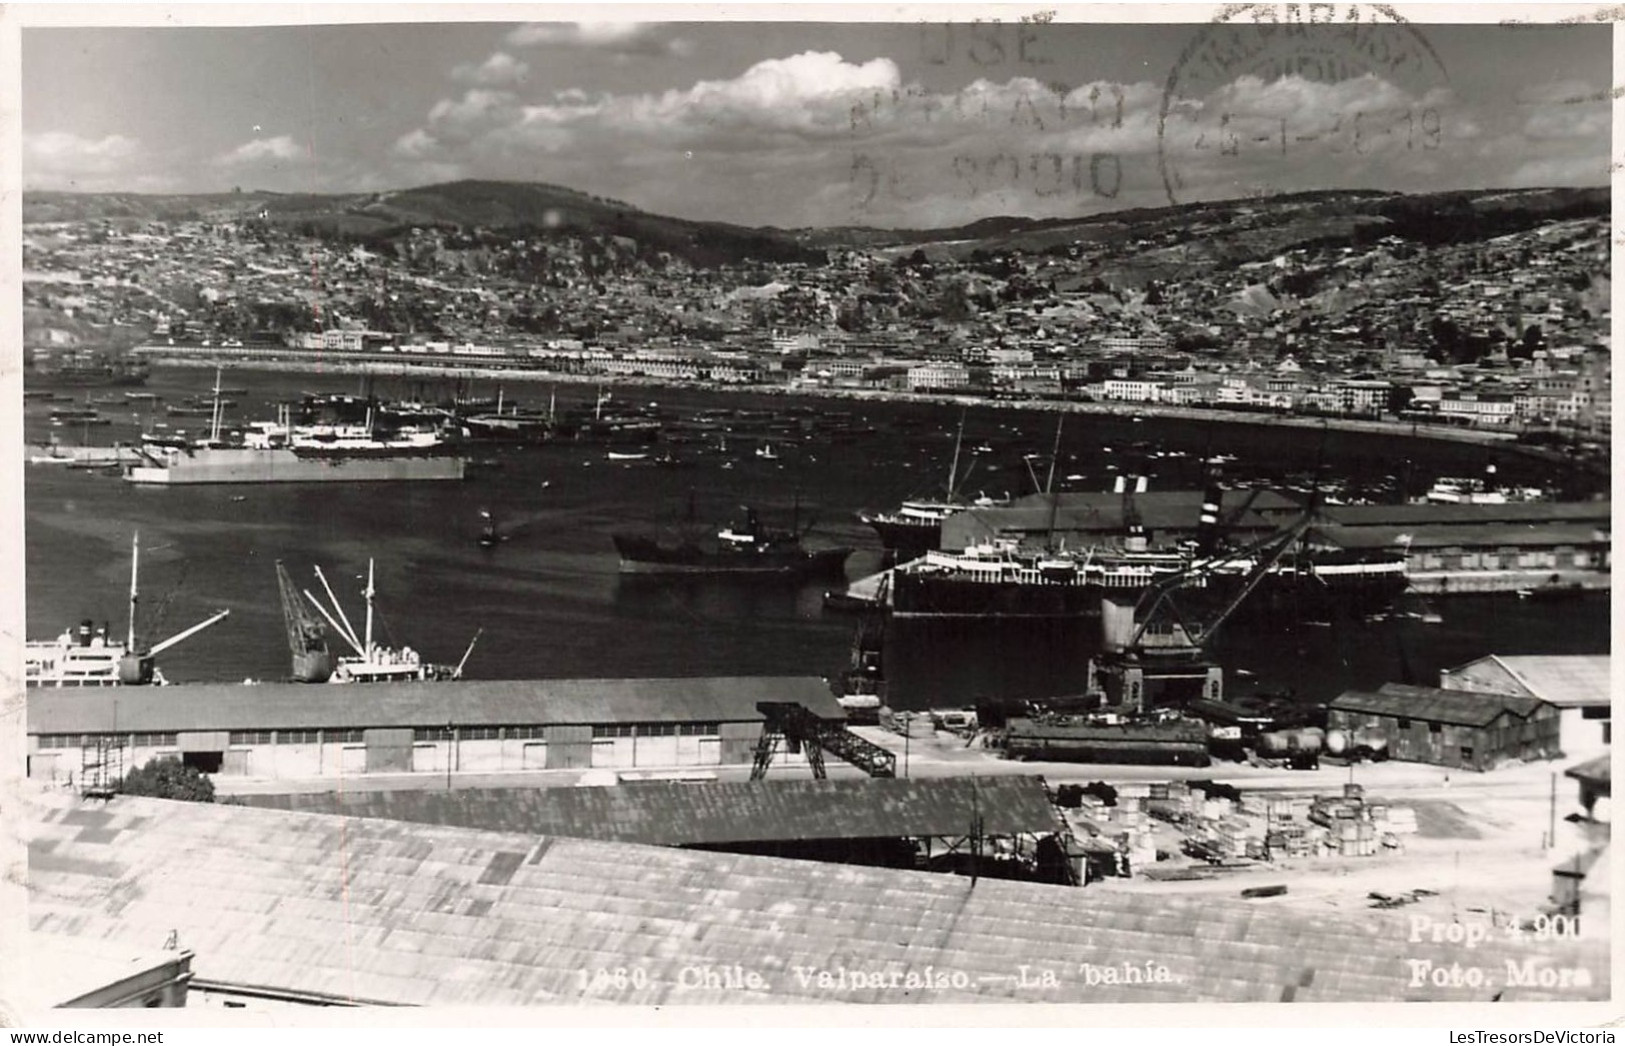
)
(672, 814)
(302, 706)
(1589, 512)
(1432, 705)
(1528, 535)
(391, 912)
(1564, 680)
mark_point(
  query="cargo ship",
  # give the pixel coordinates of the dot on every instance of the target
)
(748, 549)
(95, 657)
(915, 527)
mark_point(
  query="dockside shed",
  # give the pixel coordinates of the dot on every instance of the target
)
(1578, 684)
(1451, 728)
(300, 730)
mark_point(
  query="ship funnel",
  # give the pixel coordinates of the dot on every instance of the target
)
(86, 628)
(1207, 526)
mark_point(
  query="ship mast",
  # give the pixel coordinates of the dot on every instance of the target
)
(135, 560)
(1049, 481)
(368, 653)
(953, 468)
(215, 415)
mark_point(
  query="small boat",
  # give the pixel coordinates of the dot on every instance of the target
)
(621, 455)
(767, 453)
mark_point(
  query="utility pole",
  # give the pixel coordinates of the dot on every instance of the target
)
(908, 732)
(1551, 820)
(451, 748)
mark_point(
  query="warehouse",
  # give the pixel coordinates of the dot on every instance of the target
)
(1578, 684)
(932, 821)
(294, 730)
(1451, 728)
(1487, 557)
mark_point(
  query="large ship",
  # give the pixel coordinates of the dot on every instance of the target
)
(84, 368)
(751, 548)
(1004, 580)
(915, 527)
(371, 450)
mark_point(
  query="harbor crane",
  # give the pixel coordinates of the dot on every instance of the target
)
(307, 639)
(802, 730)
(139, 665)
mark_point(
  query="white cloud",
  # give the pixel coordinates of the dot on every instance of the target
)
(63, 149)
(499, 70)
(624, 38)
(281, 148)
(63, 160)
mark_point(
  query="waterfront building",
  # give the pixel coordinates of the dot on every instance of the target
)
(298, 730)
(1578, 684)
(1454, 728)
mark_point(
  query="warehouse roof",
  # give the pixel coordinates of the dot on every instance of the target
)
(1540, 512)
(666, 813)
(1432, 705)
(1460, 535)
(1566, 680)
(305, 706)
(388, 912)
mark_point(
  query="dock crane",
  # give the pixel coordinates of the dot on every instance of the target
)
(1152, 641)
(307, 639)
(138, 666)
(800, 729)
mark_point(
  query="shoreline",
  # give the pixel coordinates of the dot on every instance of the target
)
(1477, 437)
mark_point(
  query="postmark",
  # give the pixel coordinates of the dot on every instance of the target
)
(1267, 89)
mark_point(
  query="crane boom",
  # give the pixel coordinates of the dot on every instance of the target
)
(1269, 549)
(340, 629)
(338, 608)
(177, 637)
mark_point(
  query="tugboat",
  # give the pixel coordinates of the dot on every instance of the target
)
(94, 658)
(748, 549)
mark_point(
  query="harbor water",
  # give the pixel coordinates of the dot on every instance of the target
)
(548, 600)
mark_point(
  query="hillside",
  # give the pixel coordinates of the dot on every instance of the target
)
(1223, 232)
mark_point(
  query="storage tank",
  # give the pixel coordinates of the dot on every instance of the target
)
(1274, 743)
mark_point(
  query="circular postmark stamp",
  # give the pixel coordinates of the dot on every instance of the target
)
(1267, 97)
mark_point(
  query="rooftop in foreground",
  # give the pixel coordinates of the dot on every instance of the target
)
(386, 912)
(673, 814)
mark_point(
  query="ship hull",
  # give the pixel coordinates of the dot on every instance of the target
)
(1287, 595)
(907, 540)
(641, 555)
(286, 466)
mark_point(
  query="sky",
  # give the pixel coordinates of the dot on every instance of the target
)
(820, 124)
